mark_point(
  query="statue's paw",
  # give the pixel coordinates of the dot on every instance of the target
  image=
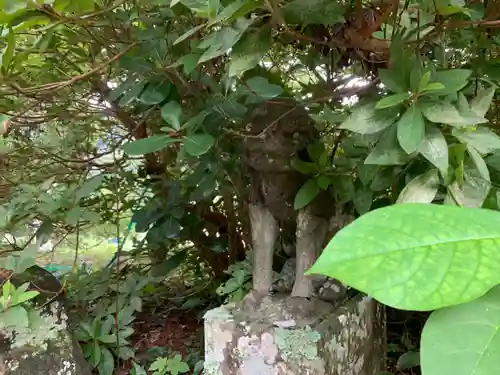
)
(254, 298)
(331, 291)
(282, 286)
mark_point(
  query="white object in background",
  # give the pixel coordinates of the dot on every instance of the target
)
(47, 247)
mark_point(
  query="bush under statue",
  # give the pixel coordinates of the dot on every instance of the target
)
(310, 326)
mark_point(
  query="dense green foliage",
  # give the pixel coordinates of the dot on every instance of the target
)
(120, 111)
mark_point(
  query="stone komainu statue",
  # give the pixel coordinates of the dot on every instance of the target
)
(278, 132)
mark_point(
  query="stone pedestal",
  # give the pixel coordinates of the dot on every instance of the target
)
(46, 346)
(281, 335)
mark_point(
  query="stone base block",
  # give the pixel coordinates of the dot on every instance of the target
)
(281, 335)
(47, 345)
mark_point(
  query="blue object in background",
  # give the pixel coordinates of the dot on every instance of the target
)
(114, 241)
(57, 269)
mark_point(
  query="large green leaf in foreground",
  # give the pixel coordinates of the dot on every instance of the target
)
(463, 339)
(417, 256)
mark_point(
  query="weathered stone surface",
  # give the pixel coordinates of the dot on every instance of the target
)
(48, 347)
(295, 336)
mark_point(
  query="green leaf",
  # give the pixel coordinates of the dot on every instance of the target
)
(213, 8)
(493, 161)
(27, 258)
(363, 200)
(160, 364)
(392, 80)
(107, 324)
(306, 194)
(365, 120)
(408, 360)
(433, 87)
(138, 369)
(177, 366)
(387, 151)
(228, 12)
(435, 258)
(481, 138)
(198, 144)
(223, 40)
(384, 178)
(445, 113)
(88, 187)
(306, 12)
(453, 81)
(195, 121)
(392, 100)
(107, 363)
(171, 113)
(416, 75)
(422, 189)
(463, 104)
(317, 153)
(8, 53)
(171, 227)
(261, 87)
(411, 129)
(125, 352)
(304, 167)
(189, 62)
(189, 33)
(155, 92)
(108, 339)
(435, 149)
(131, 95)
(7, 289)
(473, 190)
(249, 51)
(81, 335)
(424, 81)
(481, 103)
(127, 331)
(73, 216)
(463, 339)
(26, 296)
(323, 181)
(479, 162)
(148, 145)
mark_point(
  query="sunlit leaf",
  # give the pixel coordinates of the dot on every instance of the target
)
(438, 256)
(422, 189)
(148, 145)
(306, 194)
(411, 129)
(365, 120)
(171, 113)
(463, 339)
(198, 144)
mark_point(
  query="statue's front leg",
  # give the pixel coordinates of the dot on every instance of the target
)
(310, 236)
(264, 235)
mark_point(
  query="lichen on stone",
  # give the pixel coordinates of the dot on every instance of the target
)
(220, 313)
(13, 365)
(211, 367)
(68, 368)
(297, 344)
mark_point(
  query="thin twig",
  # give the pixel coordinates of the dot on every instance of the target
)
(59, 85)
